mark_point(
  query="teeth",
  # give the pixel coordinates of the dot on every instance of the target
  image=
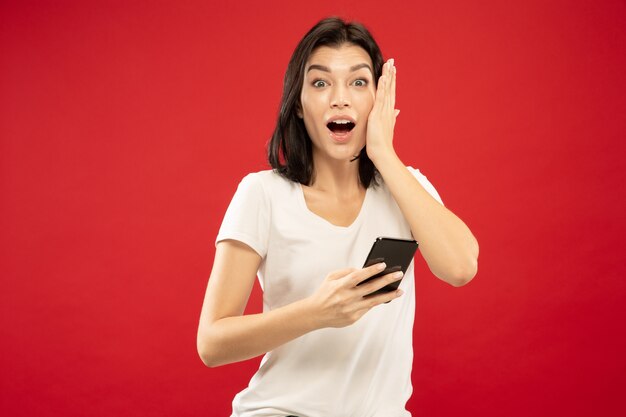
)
(341, 122)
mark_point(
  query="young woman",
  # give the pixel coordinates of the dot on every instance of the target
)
(306, 227)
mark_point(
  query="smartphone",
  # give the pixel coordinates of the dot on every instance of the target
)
(396, 253)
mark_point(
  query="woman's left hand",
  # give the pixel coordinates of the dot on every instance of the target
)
(382, 118)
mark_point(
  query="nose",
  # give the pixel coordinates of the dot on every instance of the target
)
(340, 97)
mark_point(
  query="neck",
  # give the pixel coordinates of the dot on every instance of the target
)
(335, 176)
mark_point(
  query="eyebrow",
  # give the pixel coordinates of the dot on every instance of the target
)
(326, 69)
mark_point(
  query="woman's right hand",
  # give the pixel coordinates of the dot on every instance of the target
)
(340, 301)
(227, 335)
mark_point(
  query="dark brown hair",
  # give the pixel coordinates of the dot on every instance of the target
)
(290, 148)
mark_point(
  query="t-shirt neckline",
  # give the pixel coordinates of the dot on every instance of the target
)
(322, 220)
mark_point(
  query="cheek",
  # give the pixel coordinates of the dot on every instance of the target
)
(367, 104)
(311, 121)
(313, 110)
(368, 100)
(311, 104)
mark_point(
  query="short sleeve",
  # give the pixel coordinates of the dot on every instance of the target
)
(421, 178)
(247, 216)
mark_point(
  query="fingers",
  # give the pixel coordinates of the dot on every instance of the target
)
(340, 273)
(366, 281)
(380, 282)
(386, 91)
(359, 275)
(392, 87)
(342, 301)
(375, 300)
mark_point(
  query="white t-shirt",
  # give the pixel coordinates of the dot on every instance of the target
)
(362, 370)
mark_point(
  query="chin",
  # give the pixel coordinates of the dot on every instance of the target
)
(346, 155)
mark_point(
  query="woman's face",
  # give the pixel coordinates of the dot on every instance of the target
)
(337, 97)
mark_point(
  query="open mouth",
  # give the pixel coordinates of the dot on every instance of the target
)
(340, 127)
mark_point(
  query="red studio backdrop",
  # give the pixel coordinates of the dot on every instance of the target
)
(125, 127)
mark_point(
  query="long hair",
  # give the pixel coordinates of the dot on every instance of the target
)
(290, 150)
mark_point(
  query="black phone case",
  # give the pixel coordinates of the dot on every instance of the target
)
(396, 253)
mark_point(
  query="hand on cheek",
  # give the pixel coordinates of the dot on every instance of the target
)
(382, 118)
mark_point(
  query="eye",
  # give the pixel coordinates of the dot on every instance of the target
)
(319, 83)
(360, 83)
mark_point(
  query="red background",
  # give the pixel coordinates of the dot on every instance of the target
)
(126, 125)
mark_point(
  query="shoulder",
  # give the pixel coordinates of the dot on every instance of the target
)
(264, 176)
(424, 182)
(414, 171)
(267, 186)
(268, 180)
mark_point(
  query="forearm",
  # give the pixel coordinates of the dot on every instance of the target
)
(446, 243)
(233, 339)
